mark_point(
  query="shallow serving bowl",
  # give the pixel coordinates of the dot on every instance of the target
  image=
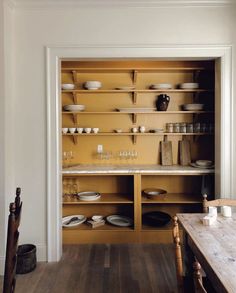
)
(189, 85)
(67, 86)
(161, 86)
(203, 163)
(74, 107)
(193, 107)
(154, 193)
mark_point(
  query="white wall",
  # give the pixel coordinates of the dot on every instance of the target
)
(35, 29)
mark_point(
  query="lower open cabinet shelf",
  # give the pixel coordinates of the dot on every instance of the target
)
(123, 194)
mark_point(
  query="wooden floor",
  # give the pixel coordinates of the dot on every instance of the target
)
(101, 268)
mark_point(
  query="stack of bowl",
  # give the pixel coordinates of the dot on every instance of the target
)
(92, 85)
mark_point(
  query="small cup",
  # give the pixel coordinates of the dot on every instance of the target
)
(65, 130)
(134, 129)
(87, 129)
(142, 129)
(72, 130)
(95, 130)
(80, 130)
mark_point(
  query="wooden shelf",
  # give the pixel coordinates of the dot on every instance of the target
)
(139, 70)
(136, 113)
(174, 198)
(106, 198)
(136, 134)
(81, 91)
(106, 227)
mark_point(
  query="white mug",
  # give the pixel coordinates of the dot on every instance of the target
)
(142, 129)
(80, 130)
(134, 129)
(95, 130)
(87, 129)
(64, 130)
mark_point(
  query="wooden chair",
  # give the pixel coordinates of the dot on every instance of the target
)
(217, 203)
(194, 282)
(12, 244)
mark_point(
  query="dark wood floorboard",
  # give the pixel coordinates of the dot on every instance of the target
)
(104, 268)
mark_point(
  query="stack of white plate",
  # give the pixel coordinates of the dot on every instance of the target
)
(189, 85)
(74, 107)
(89, 195)
(92, 85)
(161, 86)
(193, 107)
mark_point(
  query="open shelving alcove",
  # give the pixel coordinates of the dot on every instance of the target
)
(184, 192)
(112, 107)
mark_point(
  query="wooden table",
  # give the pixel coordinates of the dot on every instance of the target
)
(215, 248)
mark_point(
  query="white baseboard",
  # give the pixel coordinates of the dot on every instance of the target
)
(2, 264)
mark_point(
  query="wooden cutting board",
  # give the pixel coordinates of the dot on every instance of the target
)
(184, 151)
(166, 152)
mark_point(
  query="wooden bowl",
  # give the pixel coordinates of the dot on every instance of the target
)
(155, 193)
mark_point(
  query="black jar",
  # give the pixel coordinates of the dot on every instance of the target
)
(162, 102)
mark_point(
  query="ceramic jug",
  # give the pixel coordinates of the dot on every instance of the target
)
(162, 102)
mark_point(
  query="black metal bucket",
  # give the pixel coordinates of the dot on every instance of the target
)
(26, 258)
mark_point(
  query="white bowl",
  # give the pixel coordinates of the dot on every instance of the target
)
(189, 85)
(203, 163)
(80, 130)
(95, 130)
(118, 130)
(74, 107)
(87, 129)
(92, 85)
(193, 107)
(72, 130)
(67, 86)
(161, 86)
(64, 130)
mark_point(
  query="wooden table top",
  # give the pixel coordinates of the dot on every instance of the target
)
(215, 248)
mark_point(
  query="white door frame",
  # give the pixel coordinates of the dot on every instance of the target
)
(224, 141)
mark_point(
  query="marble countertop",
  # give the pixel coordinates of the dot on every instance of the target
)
(136, 169)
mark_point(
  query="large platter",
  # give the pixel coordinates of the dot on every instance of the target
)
(66, 220)
(121, 221)
(136, 110)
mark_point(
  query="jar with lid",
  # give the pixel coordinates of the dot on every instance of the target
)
(183, 128)
(169, 127)
(190, 127)
(196, 127)
(176, 127)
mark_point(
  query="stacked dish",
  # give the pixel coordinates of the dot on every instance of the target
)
(88, 195)
(189, 85)
(74, 107)
(92, 85)
(136, 110)
(73, 220)
(154, 193)
(193, 107)
(161, 86)
(118, 220)
(67, 86)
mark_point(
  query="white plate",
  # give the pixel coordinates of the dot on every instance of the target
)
(193, 107)
(125, 88)
(201, 167)
(81, 219)
(120, 221)
(74, 107)
(136, 110)
(160, 86)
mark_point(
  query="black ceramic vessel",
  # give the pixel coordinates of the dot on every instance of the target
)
(162, 102)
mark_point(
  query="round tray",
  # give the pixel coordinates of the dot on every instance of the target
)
(156, 218)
